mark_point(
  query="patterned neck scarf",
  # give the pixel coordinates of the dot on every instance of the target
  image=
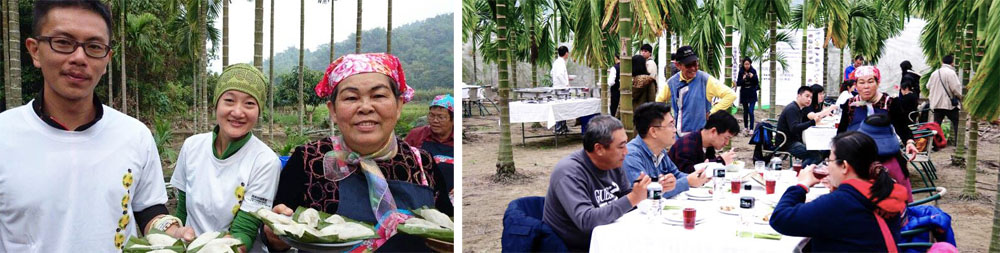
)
(336, 167)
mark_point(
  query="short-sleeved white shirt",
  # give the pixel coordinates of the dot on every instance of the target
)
(215, 189)
(67, 191)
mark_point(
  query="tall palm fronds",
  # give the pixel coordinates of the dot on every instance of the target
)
(870, 24)
(770, 12)
(706, 36)
(591, 44)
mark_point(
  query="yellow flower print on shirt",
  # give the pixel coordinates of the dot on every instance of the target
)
(240, 192)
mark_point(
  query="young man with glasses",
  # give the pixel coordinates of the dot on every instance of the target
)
(701, 145)
(436, 137)
(648, 151)
(77, 176)
(695, 92)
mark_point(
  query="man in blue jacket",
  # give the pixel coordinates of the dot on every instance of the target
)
(648, 151)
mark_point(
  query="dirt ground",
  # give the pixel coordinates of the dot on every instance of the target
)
(485, 201)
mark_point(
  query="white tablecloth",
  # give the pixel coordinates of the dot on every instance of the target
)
(818, 138)
(551, 112)
(638, 232)
(467, 88)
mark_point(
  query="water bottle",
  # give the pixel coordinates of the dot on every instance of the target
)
(654, 192)
(746, 216)
(775, 163)
(718, 183)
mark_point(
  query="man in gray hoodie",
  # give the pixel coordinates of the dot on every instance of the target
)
(588, 189)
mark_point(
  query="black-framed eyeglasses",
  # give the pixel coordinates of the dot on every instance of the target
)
(68, 46)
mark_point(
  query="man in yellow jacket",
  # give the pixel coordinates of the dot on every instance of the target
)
(697, 90)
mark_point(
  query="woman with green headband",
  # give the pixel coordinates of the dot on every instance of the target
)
(225, 175)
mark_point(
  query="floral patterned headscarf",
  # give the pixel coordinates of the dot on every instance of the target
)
(445, 101)
(865, 72)
(353, 64)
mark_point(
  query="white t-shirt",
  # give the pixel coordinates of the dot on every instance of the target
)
(64, 191)
(212, 186)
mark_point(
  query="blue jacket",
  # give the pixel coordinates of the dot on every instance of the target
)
(841, 221)
(924, 216)
(640, 159)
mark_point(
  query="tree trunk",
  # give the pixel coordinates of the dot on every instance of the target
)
(805, 33)
(728, 71)
(667, 71)
(302, 27)
(357, 35)
(505, 154)
(270, 72)
(534, 51)
(604, 97)
(121, 62)
(6, 63)
(475, 66)
(962, 58)
(225, 33)
(13, 91)
(774, 60)
(258, 35)
(839, 73)
(970, 163)
(388, 31)
(995, 241)
(202, 68)
(625, 35)
(605, 102)
(513, 68)
(333, 45)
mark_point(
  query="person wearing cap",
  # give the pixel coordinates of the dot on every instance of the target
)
(862, 212)
(225, 175)
(76, 176)
(878, 127)
(436, 136)
(870, 101)
(366, 173)
(691, 92)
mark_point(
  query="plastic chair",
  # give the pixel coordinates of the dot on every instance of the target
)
(922, 162)
(524, 230)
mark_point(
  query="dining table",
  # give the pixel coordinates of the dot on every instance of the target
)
(717, 224)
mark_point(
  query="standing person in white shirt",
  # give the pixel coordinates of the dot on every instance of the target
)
(77, 176)
(560, 79)
(225, 175)
(613, 80)
(647, 51)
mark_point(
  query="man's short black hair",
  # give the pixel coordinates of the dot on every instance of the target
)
(803, 89)
(42, 8)
(859, 58)
(600, 130)
(563, 50)
(948, 59)
(648, 115)
(646, 47)
(722, 121)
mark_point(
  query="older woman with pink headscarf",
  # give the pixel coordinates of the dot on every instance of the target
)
(366, 173)
(871, 101)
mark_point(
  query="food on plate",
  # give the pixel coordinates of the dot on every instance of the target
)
(309, 217)
(160, 240)
(433, 215)
(335, 219)
(726, 208)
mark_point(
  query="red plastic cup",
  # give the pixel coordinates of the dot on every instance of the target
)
(689, 218)
(770, 186)
(736, 185)
(797, 167)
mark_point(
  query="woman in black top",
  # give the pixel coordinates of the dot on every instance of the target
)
(749, 84)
